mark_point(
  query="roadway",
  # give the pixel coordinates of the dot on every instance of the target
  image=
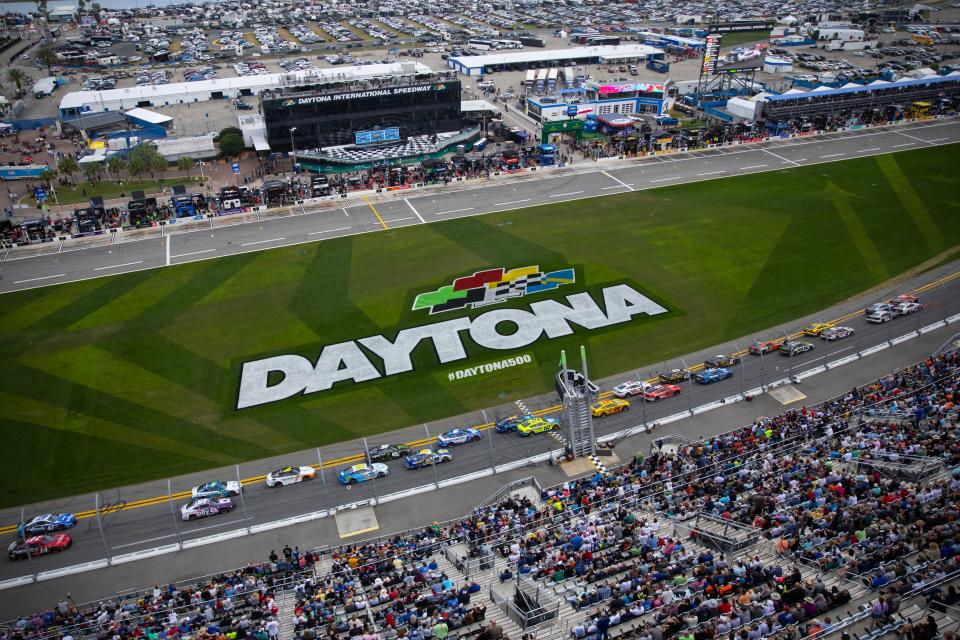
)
(56, 263)
(140, 517)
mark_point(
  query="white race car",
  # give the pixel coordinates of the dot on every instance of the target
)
(290, 475)
(217, 489)
(203, 507)
(630, 388)
(906, 308)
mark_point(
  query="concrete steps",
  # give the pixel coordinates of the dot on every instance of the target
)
(286, 601)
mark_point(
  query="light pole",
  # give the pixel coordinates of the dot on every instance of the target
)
(293, 147)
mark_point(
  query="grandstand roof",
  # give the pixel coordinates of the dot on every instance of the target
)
(556, 55)
(953, 77)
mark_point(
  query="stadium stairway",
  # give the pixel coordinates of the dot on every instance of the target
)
(285, 605)
(510, 628)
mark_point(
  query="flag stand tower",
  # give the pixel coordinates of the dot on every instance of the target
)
(577, 393)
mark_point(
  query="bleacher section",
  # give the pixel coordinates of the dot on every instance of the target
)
(820, 537)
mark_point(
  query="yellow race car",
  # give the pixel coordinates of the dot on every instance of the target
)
(608, 407)
(536, 425)
(817, 328)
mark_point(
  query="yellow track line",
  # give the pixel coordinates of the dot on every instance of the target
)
(375, 212)
(482, 427)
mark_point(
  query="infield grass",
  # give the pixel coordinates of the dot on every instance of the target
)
(115, 380)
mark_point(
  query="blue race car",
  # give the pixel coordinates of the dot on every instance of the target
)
(46, 523)
(505, 425)
(426, 458)
(362, 472)
(458, 436)
(708, 376)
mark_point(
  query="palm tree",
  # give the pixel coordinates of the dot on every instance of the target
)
(69, 166)
(185, 164)
(114, 165)
(91, 171)
(47, 56)
(16, 76)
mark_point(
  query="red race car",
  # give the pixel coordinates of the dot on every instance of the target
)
(765, 346)
(660, 392)
(39, 545)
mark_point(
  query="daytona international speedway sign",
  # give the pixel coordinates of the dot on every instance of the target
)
(374, 357)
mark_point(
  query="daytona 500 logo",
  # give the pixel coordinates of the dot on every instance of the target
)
(375, 357)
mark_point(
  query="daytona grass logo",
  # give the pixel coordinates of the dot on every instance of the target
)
(374, 357)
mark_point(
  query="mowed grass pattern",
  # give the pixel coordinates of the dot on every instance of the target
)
(121, 379)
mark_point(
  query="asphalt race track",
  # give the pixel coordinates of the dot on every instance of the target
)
(57, 263)
(139, 517)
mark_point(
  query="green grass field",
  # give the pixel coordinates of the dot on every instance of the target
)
(735, 38)
(120, 379)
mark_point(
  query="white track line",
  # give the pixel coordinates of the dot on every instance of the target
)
(620, 183)
(665, 179)
(192, 253)
(59, 275)
(781, 157)
(402, 219)
(832, 155)
(169, 240)
(503, 204)
(753, 166)
(869, 150)
(905, 144)
(250, 244)
(313, 233)
(417, 213)
(443, 213)
(710, 173)
(117, 266)
(561, 195)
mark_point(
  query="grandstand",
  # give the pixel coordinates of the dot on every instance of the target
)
(840, 518)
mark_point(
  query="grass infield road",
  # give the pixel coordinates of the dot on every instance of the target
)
(117, 380)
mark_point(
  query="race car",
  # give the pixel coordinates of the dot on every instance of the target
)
(46, 523)
(760, 347)
(362, 472)
(816, 328)
(660, 392)
(217, 489)
(723, 360)
(630, 388)
(290, 475)
(38, 546)
(880, 312)
(836, 333)
(905, 297)
(674, 375)
(458, 436)
(795, 347)
(384, 452)
(505, 425)
(713, 374)
(608, 407)
(906, 308)
(537, 425)
(427, 457)
(203, 507)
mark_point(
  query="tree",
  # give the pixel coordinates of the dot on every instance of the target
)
(69, 166)
(136, 165)
(228, 130)
(48, 175)
(230, 144)
(47, 56)
(91, 171)
(114, 165)
(148, 158)
(16, 76)
(185, 164)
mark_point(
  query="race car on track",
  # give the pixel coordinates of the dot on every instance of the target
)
(760, 347)
(674, 375)
(505, 425)
(38, 546)
(837, 333)
(384, 452)
(427, 457)
(537, 425)
(217, 489)
(660, 392)
(630, 388)
(458, 436)
(290, 475)
(203, 507)
(608, 407)
(46, 523)
(714, 374)
(721, 361)
(816, 328)
(880, 312)
(795, 347)
(905, 297)
(362, 472)
(906, 308)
